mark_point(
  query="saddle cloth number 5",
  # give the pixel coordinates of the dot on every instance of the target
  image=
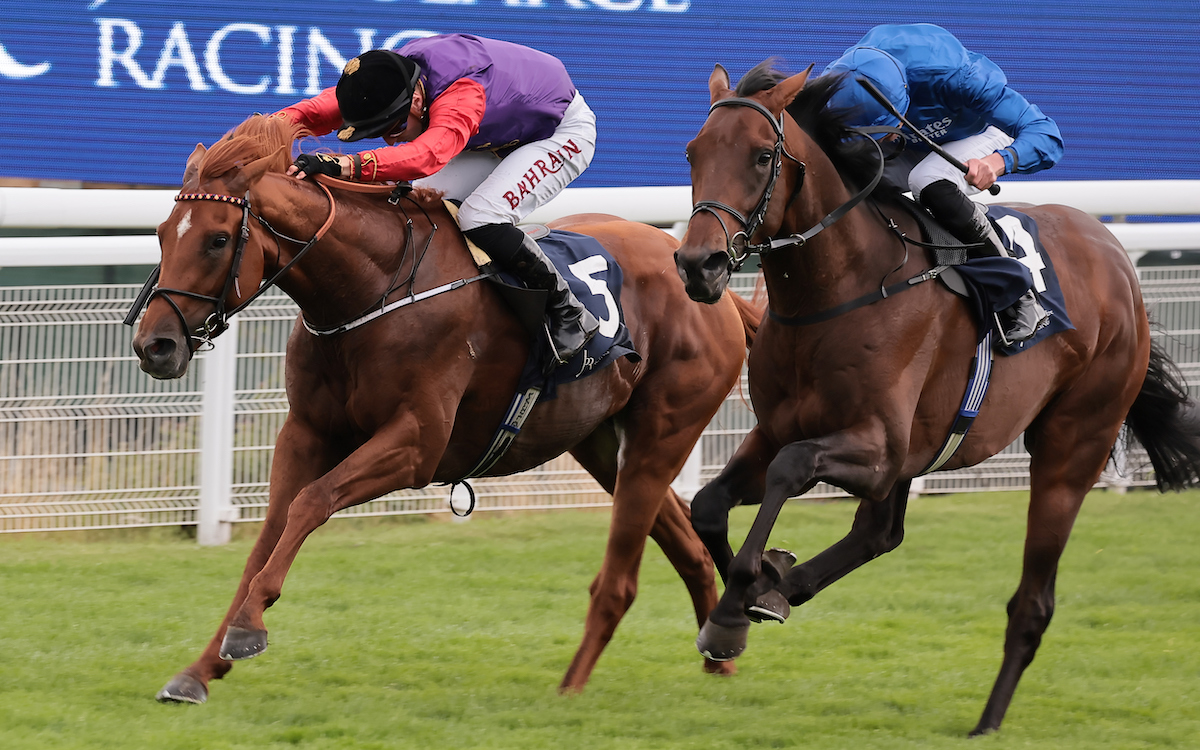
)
(587, 271)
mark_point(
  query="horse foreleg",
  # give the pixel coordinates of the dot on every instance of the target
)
(878, 528)
(742, 481)
(399, 455)
(300, 457)
(846, 460)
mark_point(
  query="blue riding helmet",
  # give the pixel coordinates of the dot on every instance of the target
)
(880, 68)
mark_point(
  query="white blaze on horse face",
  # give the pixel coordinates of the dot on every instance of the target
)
(184, 224)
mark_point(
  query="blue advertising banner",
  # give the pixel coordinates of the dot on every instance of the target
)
(120, 91)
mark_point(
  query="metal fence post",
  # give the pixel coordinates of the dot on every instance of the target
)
(688, 483)
(216, 513)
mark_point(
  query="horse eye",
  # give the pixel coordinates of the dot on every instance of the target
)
(764, 158)
(220, 242)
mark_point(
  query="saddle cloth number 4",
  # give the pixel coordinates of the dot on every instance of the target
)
(1018, 237)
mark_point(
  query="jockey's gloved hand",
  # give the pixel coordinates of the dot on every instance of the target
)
(314, 164)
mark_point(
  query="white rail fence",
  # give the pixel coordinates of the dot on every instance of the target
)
(87, 441)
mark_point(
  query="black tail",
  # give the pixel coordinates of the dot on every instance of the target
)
(1167, 424)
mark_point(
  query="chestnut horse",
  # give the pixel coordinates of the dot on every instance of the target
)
(862, 395)
(414, 396)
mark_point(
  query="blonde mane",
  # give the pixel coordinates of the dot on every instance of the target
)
(257, 137)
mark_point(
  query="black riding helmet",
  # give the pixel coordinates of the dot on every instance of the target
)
(375, 90)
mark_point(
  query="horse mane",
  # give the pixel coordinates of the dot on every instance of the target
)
(261, 136)
(855, 159)
(257, 137)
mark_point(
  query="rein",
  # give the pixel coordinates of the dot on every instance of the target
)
(752, 223)
(218, 321)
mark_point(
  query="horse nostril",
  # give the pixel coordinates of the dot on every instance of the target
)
(716, 263)
(160, 348)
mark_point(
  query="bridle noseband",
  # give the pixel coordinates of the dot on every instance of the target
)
(218, 321)
(752, 223)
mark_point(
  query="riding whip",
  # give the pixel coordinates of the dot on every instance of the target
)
(891, 108)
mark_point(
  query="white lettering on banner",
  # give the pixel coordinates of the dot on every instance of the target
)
(286, 36)
(10, 67)
(177, 42)
(176, 51)
(120, 41)
(319, 45)
(212, 58)
(109, 55)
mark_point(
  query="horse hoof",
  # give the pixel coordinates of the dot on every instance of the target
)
(770, 607)
(780, 561)
(720, 643)
(720, 668)
(183, 688)
(243, 644)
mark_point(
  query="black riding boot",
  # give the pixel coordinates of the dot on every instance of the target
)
(968, 221)
(571, 326)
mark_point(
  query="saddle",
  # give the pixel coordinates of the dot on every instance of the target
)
(991, 284)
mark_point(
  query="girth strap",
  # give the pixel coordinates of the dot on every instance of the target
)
(854, 304)
(514, 419)
(977, 385)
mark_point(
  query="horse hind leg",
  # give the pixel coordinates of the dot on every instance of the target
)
(674, 534)
(643, 505)
(1069, 446)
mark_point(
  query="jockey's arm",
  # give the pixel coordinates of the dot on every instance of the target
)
(453, 118)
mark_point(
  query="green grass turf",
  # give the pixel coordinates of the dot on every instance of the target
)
(430, 634)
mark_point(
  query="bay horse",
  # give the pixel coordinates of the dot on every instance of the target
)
(414, 396)
(859, 389)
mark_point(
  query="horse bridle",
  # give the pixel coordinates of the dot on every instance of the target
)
(218, 321)
(752, 223)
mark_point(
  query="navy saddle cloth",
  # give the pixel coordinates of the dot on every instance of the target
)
(994, 284)
(997, 283)
(595, 279)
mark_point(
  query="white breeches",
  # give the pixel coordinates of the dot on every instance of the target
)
(505, 191)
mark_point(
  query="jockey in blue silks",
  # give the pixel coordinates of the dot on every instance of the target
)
(961, 101)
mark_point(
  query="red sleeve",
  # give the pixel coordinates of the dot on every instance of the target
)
(319, 114)
(453, 118)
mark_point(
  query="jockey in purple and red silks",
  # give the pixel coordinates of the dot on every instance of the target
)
(496, 125)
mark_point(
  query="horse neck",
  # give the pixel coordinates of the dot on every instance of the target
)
(364, 252)
(841, 262)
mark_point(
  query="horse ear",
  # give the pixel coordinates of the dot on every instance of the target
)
(785, 91)
(718, 84)
(193, 163)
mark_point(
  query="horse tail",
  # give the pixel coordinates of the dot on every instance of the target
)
(751, 314)
(1167, 423)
